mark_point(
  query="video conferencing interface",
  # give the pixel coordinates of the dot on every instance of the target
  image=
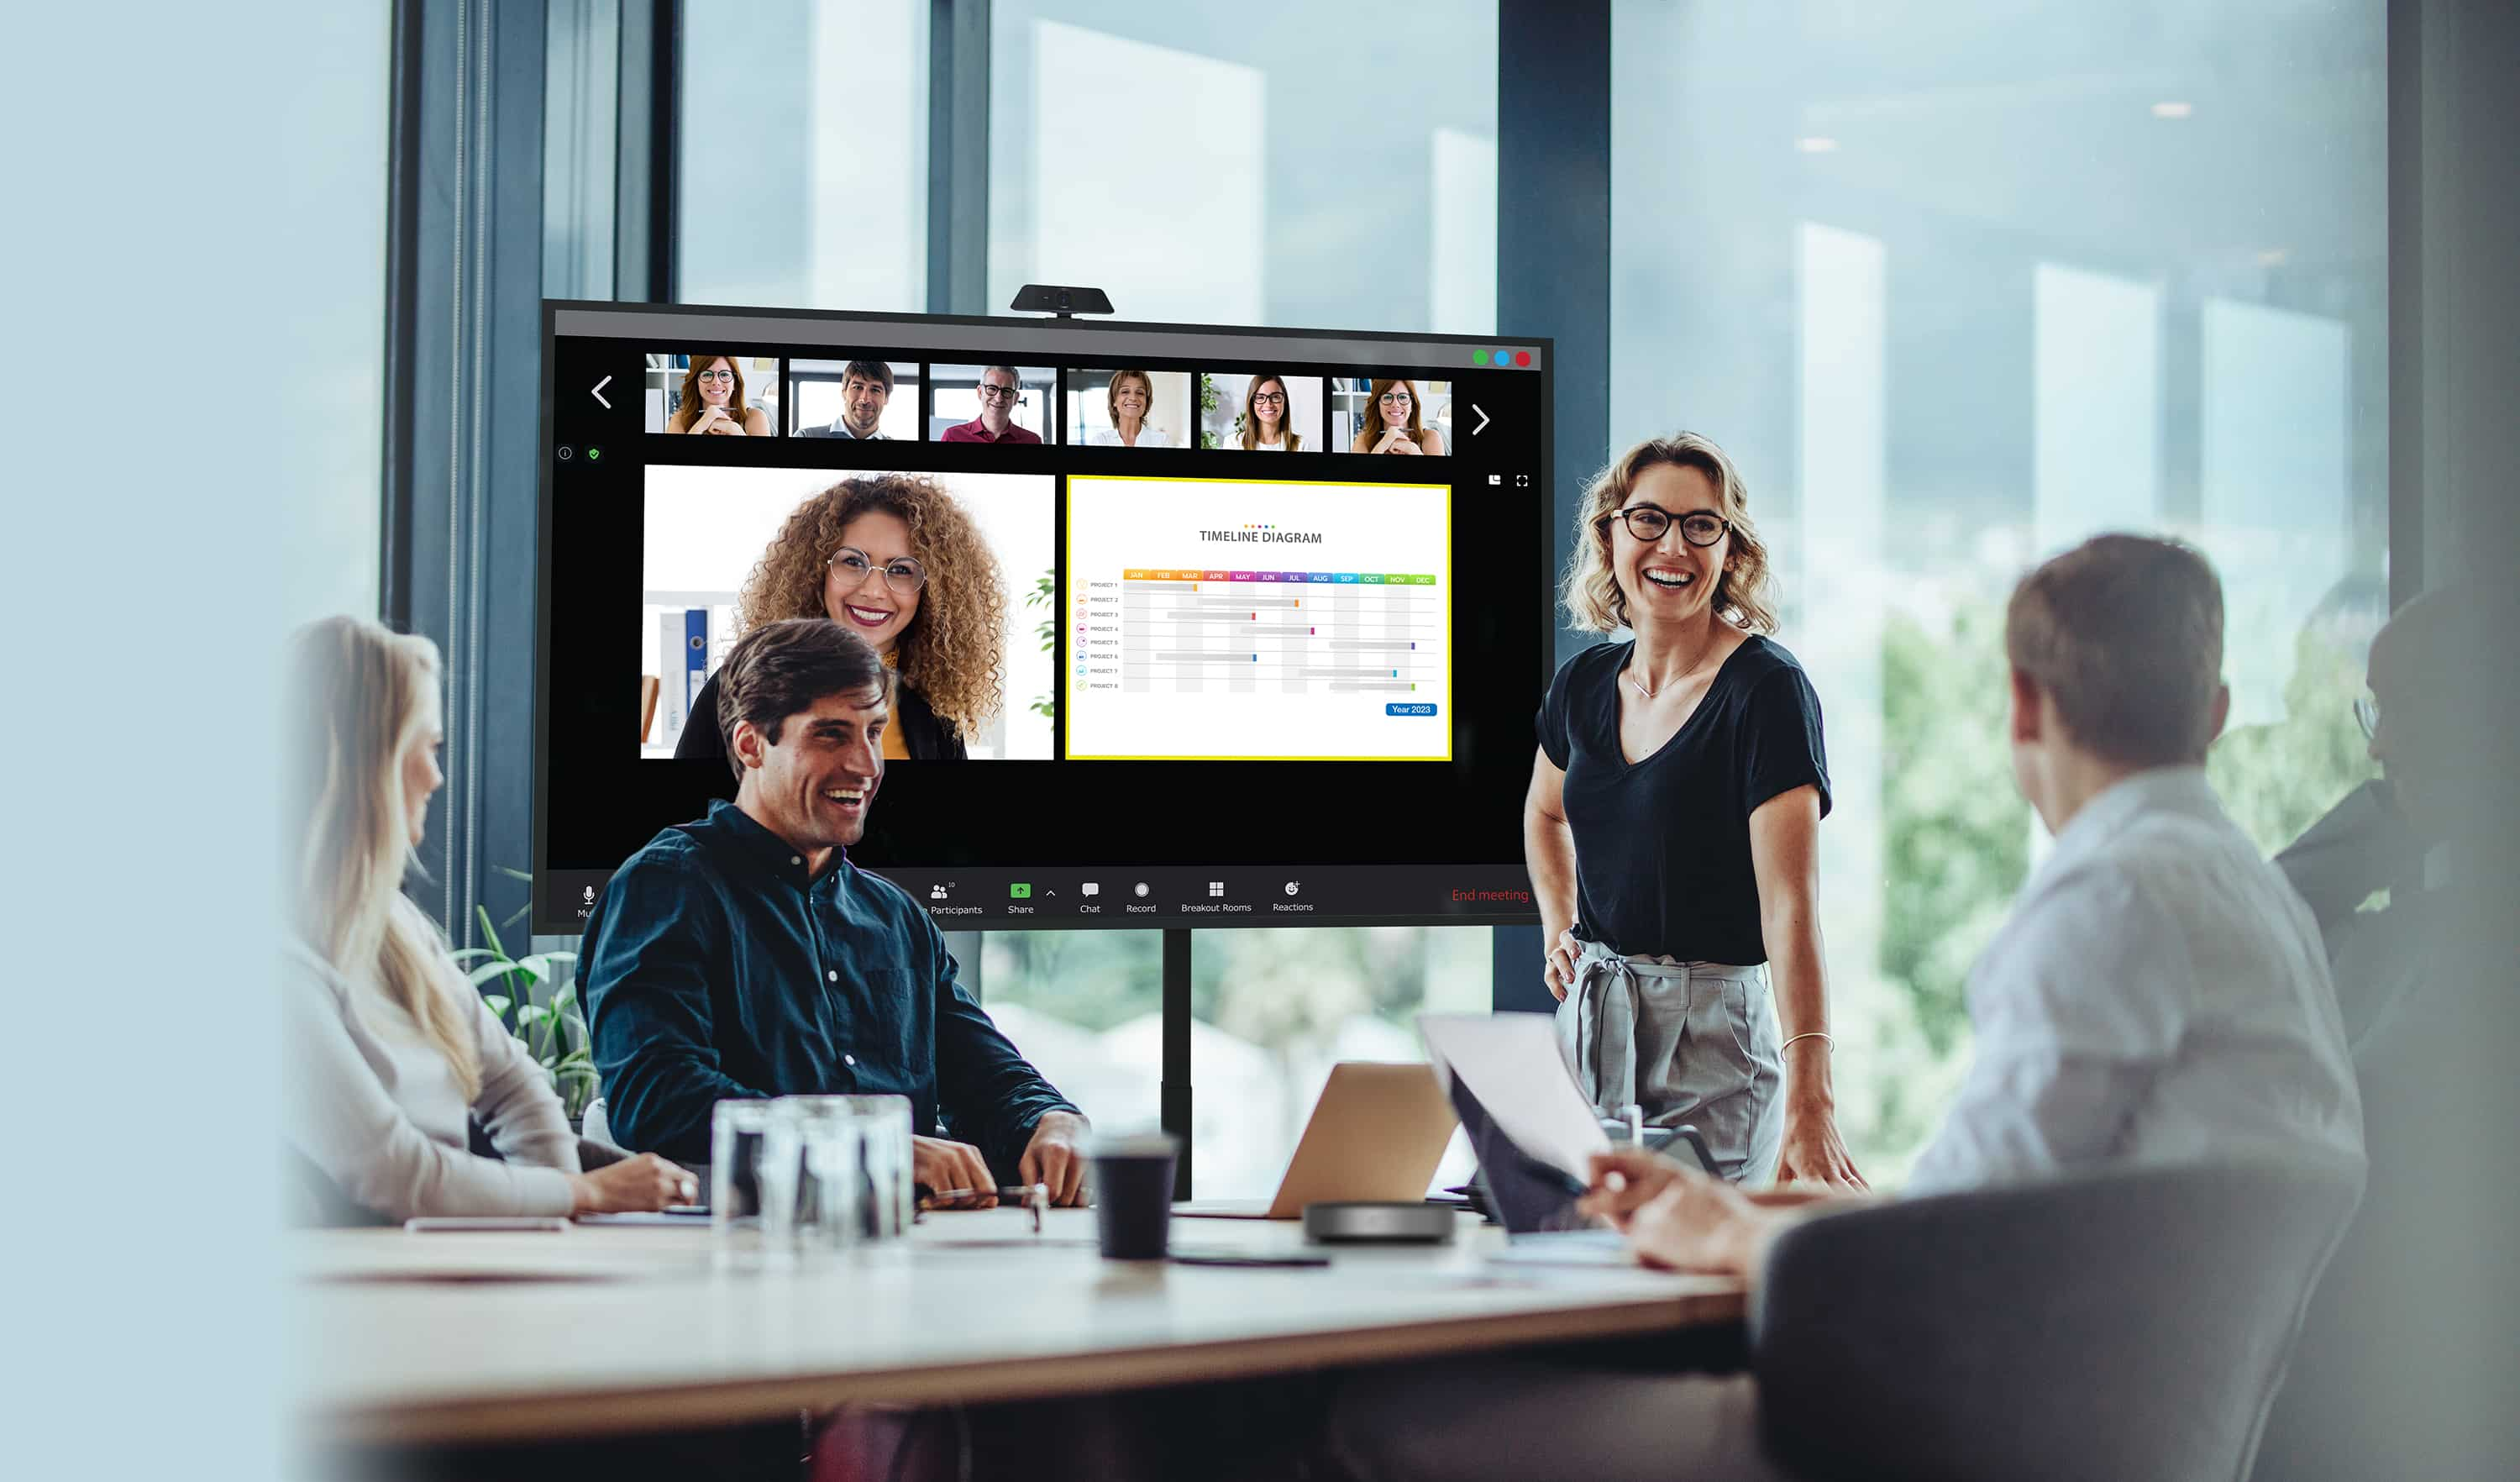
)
(1188, 626)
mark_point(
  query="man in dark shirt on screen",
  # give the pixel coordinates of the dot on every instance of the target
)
(743, 955)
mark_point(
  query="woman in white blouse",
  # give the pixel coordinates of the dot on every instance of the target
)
(389, 1049)
(1131, 395)
(1265, 423)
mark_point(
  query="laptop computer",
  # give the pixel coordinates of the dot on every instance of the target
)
(1378, 1133)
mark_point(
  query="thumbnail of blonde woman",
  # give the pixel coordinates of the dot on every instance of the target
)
(1132, 396)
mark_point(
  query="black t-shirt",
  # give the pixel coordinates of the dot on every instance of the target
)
(1662, 848)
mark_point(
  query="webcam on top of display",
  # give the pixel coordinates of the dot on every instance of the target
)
(1065, 301)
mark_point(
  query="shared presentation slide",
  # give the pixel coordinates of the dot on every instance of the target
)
(1247, 619)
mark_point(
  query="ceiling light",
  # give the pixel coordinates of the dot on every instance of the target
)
(2173, 110)
(1817, 144)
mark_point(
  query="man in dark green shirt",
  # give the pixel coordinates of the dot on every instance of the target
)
(743, 955)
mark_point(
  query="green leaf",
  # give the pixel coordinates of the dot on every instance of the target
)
(499, 1003)
(490, 931)
(490, 970)
(542, 963)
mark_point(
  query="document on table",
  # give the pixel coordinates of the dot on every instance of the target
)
(1511, 1062)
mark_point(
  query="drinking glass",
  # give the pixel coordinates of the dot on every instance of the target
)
(736, 1127)
(853, 1170)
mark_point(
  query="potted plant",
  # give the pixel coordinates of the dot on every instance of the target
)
(535, 996)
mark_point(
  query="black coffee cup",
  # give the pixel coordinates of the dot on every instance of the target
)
(1133, 1193)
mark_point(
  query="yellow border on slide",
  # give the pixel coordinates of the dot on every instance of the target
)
(1067, 707)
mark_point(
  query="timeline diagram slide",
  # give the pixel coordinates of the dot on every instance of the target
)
(1213, 619)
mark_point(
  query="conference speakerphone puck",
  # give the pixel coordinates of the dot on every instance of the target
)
(1341, 1222)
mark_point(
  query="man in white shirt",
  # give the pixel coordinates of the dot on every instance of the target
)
(2159, 995)
(866, 388)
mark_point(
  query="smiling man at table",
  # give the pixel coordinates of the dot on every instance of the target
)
(743, 955)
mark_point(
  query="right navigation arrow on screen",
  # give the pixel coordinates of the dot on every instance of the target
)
(1483, 420)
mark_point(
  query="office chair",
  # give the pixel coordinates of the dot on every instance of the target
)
(2120, 1326)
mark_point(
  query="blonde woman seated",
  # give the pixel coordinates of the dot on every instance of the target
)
(1266, 425)
(388, 1047)
(1392, 424)
(713, 402)
(1132, 396)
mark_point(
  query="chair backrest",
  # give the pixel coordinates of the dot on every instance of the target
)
(2120, 1326)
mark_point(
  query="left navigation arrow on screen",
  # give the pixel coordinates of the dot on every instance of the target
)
(597, 392)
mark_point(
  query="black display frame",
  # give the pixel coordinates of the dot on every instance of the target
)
(1347, 887)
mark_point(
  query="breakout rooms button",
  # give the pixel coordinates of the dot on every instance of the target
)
(1396, 708)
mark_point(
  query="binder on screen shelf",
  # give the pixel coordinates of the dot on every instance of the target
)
(696, 655)
(674, 702)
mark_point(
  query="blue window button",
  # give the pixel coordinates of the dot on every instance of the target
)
(1418, 708)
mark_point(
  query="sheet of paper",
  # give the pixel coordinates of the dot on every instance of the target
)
(1511, 1064)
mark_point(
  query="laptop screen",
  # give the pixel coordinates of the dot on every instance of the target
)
(1528, 1196)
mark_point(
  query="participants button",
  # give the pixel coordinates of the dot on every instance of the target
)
(1416, 707)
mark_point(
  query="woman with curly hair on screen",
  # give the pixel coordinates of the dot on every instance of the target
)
(894, 559)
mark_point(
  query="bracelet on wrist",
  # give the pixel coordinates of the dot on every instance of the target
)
(1822, 1035)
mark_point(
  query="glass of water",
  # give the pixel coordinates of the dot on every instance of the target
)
(737, 1129)
(853, 1170)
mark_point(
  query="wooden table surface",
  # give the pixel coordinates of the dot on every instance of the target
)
(511, 1336)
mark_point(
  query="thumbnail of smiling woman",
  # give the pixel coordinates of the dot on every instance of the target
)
(894, 559)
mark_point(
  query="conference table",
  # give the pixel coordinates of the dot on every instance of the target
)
(458, 1337)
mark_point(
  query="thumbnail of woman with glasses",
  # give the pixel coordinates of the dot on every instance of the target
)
(1266, 427)
(1393, 424)
(712, 401)
(894, 559)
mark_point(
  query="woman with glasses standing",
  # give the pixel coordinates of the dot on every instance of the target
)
(894, 559)
(713, 402)
(1672, 827)
(1392, 422)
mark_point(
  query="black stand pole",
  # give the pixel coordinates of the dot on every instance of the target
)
(1175, 1070)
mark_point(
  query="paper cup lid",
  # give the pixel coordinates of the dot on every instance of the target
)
(1141, 1144)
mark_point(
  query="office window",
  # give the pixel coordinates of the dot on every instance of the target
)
(1959, 284)
(802, 173)
(581, 142)
(1287, 166)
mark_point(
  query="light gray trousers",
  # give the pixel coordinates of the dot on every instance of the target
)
(1691, 1042)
